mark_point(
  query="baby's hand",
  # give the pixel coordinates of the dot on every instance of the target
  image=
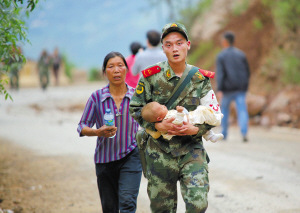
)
(179, 109)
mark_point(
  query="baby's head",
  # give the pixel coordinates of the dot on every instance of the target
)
(154, 112)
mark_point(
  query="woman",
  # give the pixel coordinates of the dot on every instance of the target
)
(132, 80)
(118, 166)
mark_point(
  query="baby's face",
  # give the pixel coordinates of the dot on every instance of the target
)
(163, 111)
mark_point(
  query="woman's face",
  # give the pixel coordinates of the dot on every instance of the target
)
(116, 71)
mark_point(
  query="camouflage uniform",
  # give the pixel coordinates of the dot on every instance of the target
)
(183, 158)
(15, 66)
(43, 67)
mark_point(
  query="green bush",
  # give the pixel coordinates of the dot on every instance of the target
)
(258, 25)
(286, 13)
(69, 66)
(189, 14)
(202, 49)
(13, 32)
(211, 58)
(95, 74)
(282, 64)
(291, 66)
(240, 8)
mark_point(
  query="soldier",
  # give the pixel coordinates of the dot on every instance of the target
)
(183, 158)
(15, 64)
(43, 68)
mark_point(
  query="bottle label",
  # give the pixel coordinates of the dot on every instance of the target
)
(109, 122)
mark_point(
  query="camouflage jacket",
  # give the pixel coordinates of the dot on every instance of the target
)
(158, 87)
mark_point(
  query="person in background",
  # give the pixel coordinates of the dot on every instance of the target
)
(15, 65)
(131, 79)
(152, 54)
(56, 62)
(43, 69)
(117, 161)
(232, 83)
(183, 158)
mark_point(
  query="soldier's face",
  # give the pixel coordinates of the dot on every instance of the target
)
(176, 47)
(116, 70)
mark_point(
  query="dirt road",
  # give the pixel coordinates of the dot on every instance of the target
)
(46, 167)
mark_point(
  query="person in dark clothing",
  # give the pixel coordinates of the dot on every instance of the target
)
(232, 83)
(56, 62)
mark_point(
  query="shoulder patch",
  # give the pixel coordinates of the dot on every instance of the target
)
(151, 71)
(140, 88)
(207, 73)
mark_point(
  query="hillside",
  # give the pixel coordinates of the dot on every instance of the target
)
(271, 48)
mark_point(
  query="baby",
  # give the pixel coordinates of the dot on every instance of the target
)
(155, 112)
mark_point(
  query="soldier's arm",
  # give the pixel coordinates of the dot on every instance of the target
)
(140, 98)
(207, 90)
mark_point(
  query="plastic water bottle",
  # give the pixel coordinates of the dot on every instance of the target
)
(109, 119)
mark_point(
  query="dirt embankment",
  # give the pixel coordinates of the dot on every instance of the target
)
(257, 35)
(30, 183)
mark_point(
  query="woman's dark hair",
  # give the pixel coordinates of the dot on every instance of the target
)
(229, 36)
(112, 55)
(134, 47)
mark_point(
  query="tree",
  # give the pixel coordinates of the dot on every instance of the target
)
(12, 33)
(183, 11)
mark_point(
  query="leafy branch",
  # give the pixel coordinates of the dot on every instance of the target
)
(12, 33)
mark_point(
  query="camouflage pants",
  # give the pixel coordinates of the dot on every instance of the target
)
(44, 78)
(163, 172)
(14, 79)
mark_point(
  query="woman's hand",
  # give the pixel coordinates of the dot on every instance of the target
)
(106, 131)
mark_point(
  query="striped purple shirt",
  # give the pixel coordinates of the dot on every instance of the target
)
(110, 149)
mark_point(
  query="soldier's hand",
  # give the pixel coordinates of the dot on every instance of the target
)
(165, 125)
(185, 129)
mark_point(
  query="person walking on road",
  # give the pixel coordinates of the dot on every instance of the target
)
(232, 83)
(117, 162)
(183, 158)
(43, 68)
(15, 65)
(152, 54)
(56, 62)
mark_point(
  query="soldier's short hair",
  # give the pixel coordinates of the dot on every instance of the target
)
(153, 37)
